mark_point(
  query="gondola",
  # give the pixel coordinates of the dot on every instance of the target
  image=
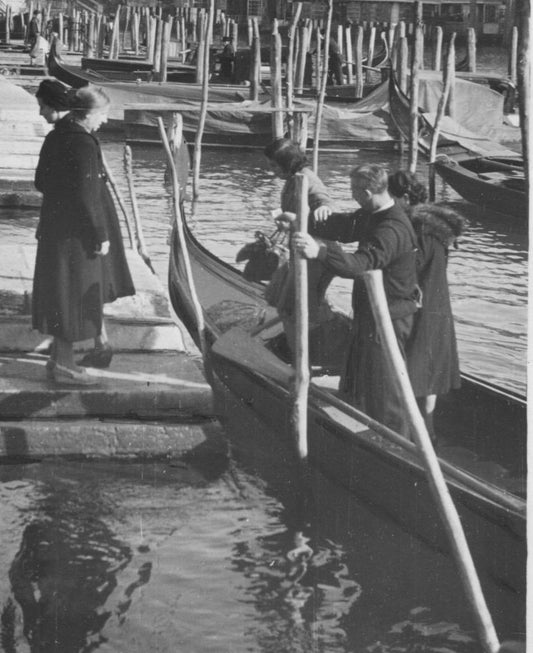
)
(492, 182)
(121, 92)
(483, 427)
(132, 69)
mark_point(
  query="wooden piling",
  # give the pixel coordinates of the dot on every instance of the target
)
(413, 99)
(135, 27)
(158, 47)
(89, 48)
(202, 21)
(152, 29)
(450, 66)
(403, 63)
(235, 34)
(289, 76)
(450, 107)
(370, 50)
(275, 82)
(437, 48)
(250, 32)
(513, 56)
(471, 50)
(301, 60)
(349, 53)
(255, 71)
(207, 25)
(358, 52)
(322, 93)
(114, 47)
(165, 45)
(524, 84)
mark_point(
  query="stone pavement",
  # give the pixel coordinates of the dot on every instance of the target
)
(152, 401)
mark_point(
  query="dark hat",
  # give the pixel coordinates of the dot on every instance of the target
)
(55, 94)
(226, 39)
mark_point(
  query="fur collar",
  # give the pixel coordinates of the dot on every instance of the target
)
(437, 221)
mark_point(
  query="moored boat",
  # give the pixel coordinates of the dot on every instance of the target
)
(121, 92)
(483, 173)
(483, 452)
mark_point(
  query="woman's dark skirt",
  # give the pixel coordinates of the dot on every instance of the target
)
(68, 290)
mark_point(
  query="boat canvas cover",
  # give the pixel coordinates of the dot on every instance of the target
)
(370, 121)
(478, 108)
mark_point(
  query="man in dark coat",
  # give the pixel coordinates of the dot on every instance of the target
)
(387, 242)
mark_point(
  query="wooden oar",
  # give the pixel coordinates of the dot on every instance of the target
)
(450, 517)
(178, 221)
(301, 362)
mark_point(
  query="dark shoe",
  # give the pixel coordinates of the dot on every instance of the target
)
(67, 376)
(97, 358)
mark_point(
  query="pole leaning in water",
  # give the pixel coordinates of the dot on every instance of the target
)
(452, 523)
(301, 362)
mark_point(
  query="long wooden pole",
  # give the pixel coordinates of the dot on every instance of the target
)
(275, 81)
(178, 221)
(121, 203)
(289, 75)
(255, 68)
(323, 84)
(524, 82)
(438, 118)
(208, 30)
(301, 358)
(439, 489)
(413, 99)
(141, 243)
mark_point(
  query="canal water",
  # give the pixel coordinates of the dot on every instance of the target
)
(194, 556)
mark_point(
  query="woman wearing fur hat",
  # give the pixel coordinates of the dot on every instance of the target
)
(431, 351)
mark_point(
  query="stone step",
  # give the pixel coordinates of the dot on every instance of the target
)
(144, 385)
(97, 438)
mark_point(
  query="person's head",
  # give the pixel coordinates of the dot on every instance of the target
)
(406, 189)
(90, 106)
(369, 186)
(54, 99)
(37, 13)
(286, 157)
(227, 39)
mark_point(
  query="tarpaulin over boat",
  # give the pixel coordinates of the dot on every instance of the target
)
(250, 123)
(477, 107)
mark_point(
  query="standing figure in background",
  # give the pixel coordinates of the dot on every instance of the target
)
(432, 359)
(34, 31)
(80, 261)
(387, 242)
(335, 75)
(227, 59)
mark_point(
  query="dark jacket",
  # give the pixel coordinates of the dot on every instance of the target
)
(71, 178)
(386, 242)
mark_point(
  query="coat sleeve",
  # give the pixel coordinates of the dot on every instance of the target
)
(86, 180)
(376, 254)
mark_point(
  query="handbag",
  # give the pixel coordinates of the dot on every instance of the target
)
(264, 255)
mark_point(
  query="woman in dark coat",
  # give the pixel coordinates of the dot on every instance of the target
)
(431, 350)
(80, 257)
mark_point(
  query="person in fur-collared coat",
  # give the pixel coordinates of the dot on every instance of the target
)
(431, 350)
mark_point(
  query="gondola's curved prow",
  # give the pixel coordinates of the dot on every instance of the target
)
(221, 288)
